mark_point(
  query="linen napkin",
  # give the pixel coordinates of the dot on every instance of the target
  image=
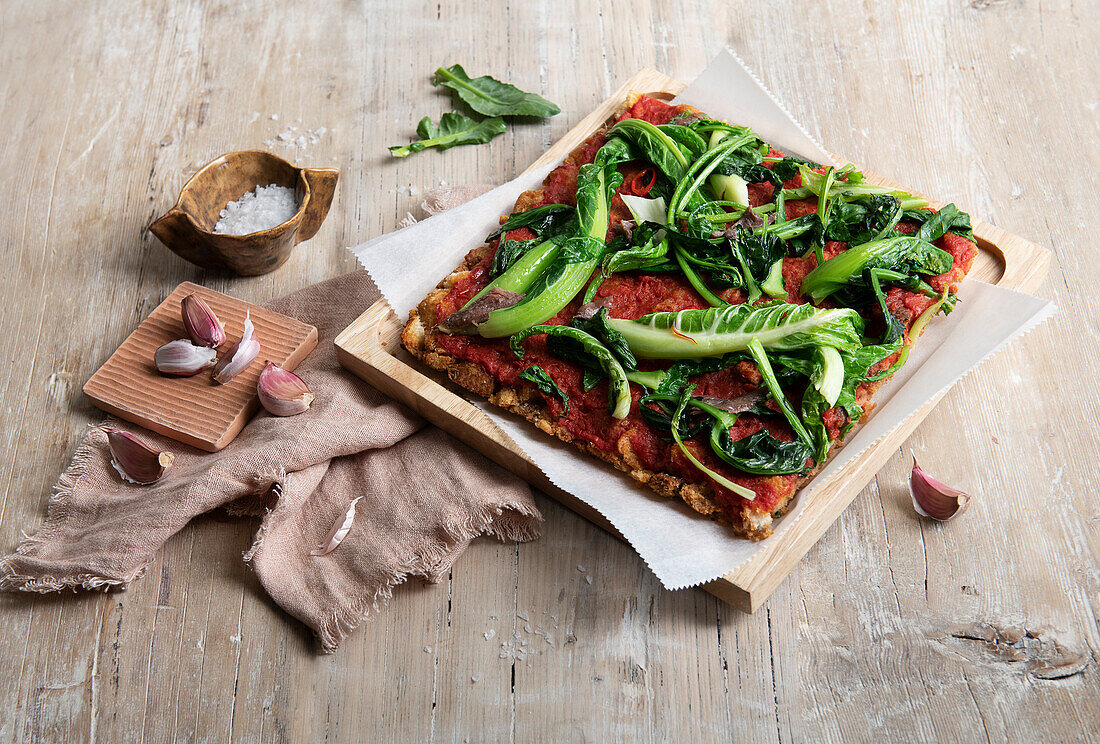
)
(424, 496)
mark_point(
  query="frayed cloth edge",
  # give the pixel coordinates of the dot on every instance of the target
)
(57, 512)
(508, 521)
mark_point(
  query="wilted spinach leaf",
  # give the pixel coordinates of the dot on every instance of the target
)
(541, 220)
(490, 97)
(453, 130)
(788, 167)
(950, 218)
(597, 326)
(859, 221)
(541, 379)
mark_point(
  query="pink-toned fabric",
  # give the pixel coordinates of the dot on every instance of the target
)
(425, 496)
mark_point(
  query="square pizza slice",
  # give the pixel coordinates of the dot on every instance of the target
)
(690, 305)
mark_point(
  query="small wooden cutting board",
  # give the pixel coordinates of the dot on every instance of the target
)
(195, 410)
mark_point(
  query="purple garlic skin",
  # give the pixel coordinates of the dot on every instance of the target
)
(283, 393)
(135, 461)
(201, 323)
(934, 499)
(182, 358)
(238, 356)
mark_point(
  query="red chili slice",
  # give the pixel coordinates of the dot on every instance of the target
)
(638, 184)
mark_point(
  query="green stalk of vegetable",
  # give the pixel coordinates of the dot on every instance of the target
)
(721, 480)
(580, 255)
(618, 385)
(696, 281)
(756, 349)
(686, 192)
(526, 270)
(904, 251)
(731, 187)
(818, 184)
(691, 334)
(773, 285)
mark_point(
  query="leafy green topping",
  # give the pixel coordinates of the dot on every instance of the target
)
(904, 254)
(935, 224)
(454, 129)
(689, 334)
(490, 97)
(696, 221)
(618, 386)
(547, 221)
(541, 220)
(580, 254)
(768, 374)
(541, 379)
(656, 145)
(759, 453)
(718, 478)
(598, 327)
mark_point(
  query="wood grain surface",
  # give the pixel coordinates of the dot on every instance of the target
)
(892, 629)
(195, 410)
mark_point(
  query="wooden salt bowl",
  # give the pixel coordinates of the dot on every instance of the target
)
(188, 227)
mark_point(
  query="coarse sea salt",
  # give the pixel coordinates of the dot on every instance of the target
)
(261, 209)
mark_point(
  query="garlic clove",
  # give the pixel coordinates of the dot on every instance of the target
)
(239, 355)
(281, 392)
(934, 499)
(201, 323)
(136, 461)
(182, 358)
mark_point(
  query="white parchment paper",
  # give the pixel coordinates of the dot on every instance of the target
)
(680, 547)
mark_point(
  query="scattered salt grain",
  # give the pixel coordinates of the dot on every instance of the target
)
(262, 209)
(291, 137)
(427, 649)
(588, 579)
(475, 678)
(581, 569)
(489, 634)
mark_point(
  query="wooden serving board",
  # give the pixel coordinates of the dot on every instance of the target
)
(370, 347)
(195, 410)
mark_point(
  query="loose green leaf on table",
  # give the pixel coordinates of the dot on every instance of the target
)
(454, 129)
(490, 97)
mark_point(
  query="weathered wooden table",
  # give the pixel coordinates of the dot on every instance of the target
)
(890, 628)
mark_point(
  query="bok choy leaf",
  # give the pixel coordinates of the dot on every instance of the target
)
(580, 254)
(690, 334)
(618, 385)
